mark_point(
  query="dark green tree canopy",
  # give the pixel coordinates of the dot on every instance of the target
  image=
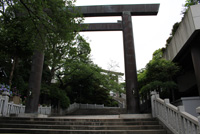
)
(48, 27)
(158, 75)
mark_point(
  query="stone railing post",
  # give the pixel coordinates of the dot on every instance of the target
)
(12, 108)
(180, 120)
(153, 96)
(21, 109)
(198, 112)
(1, 105)
(166, 111)
(49, 112)
(5, 106)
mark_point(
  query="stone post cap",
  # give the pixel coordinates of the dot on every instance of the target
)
(198, 110)
(6, 93)
(153, 92)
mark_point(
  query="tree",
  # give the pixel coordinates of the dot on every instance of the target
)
(114, 77)
(56, 62)
(58, 55)
(158, 75)
(50, 22)
(48, 28)
(15, 37)
(85, 82)
(56, 21)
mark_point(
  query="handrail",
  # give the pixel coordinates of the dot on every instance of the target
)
(174, 118)
(7, 108)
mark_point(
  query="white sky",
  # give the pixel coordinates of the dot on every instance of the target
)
(150, 32)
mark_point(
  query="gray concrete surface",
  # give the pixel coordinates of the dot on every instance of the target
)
(185, 33)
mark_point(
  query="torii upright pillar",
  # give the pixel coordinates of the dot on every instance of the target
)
(132, 95)
(126, 11)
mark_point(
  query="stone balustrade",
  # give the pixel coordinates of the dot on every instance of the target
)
(7, 108)
(174, 118)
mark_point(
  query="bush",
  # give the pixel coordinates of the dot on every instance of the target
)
(59, 96)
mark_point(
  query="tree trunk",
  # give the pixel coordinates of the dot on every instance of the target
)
(52, 73)
(15, 62)
(35, 82)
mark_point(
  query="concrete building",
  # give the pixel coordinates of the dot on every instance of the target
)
(184, 49)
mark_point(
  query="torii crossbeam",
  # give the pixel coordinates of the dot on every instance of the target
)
(126, 11)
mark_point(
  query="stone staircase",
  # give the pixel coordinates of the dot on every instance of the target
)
(73, 125)
(109, 111)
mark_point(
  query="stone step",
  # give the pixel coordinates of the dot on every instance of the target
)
(61, 131)
(74, 118)
(83, 127)
(109, 111)
(83, 123)
(80, 125)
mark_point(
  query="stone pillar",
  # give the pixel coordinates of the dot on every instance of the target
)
(35, 82)
(195, 52)
(153, 96)
(180, 121)
(5, 105)
(132, 95)
(198, 112)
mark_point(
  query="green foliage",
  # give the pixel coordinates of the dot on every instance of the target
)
(5, 65)
(16, 31)
(157, 54)
(56, 95)
(111, 103)
(64, 100)
(191, 2)
(161, 69)
(187, 5)
(158, 75)
(174, 29)
(34, 24)
(84, 82)
(28, 25)
(162, 87)
(58, 55)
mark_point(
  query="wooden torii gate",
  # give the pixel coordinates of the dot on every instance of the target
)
(126, 11)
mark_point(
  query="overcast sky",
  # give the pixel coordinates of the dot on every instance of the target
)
(150, 32)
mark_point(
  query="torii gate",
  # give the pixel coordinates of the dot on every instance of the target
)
(126, 11)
